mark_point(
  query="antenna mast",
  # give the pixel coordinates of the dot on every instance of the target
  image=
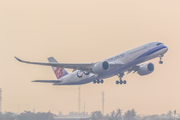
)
(103, 103)
(79, 101)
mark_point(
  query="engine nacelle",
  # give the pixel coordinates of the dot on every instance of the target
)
(146, 69)
(100, 67)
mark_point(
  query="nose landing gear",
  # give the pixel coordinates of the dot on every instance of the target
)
(160, 61)
(120, 81)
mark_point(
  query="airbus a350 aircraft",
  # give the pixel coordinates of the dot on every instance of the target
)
(129, 61)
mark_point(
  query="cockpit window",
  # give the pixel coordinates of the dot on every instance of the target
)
(159, 44)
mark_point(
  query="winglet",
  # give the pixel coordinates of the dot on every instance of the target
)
(18, 59)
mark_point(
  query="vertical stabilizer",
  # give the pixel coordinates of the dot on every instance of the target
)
(58, 71)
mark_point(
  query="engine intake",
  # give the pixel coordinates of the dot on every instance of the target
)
(100, 67)
(146, 69)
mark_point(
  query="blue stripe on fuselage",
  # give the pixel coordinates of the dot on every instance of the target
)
(151, 51)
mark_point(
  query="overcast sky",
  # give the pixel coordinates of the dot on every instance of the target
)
(83, 31)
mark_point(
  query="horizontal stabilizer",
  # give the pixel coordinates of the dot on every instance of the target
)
(47, 81)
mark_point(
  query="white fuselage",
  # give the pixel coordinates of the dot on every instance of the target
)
(128, 59)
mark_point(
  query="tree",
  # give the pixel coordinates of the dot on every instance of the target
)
(27, 115)
(174, 113)
(112, 116)
(169, 114)
(9, 116)
(118, 114)
(1, 116)
(96, 115)
(60, 114)
(154, 117)
(130, 115)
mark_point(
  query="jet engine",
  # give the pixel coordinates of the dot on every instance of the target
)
(100, 67)
(146, 69)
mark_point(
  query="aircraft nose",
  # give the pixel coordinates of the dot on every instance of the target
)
(165, 49)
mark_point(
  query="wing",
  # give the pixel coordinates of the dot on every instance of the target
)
(47, 81)
(79, 66)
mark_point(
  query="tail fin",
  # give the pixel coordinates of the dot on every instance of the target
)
(59, 72)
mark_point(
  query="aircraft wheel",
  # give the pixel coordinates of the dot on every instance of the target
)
(121, 82)
(102, 81)
(98, 81)
(160, 62)
(124, 81)
(94, 81)
(117, 82)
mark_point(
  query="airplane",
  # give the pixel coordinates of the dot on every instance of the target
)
(129, 61)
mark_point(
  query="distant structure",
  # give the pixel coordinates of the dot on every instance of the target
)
(0, 99)
(84, 108)
(103, 103)
(79, 101)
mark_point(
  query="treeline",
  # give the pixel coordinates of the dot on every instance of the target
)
(27, 115)
(96, 115)
(131, 115)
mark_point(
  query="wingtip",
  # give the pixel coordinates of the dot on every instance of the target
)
(18, 59)
(35, 81)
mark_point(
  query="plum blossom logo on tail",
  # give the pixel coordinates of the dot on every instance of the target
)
(58, 72)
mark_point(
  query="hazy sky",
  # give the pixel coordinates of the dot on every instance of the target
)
(83, 31)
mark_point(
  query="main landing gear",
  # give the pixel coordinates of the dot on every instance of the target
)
(98, 81)
(160, 61)
(120, 81)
